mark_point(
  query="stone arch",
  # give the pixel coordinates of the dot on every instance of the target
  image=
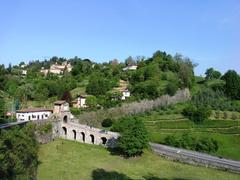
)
(64, 131)
(65, 119)
(83, 136)
(104, 140)
(92, 138)
(74, 134)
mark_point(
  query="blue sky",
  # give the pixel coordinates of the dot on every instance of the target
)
(206, 31)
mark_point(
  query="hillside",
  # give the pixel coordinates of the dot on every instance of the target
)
(63, 159)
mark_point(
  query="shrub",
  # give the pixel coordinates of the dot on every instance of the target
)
(171, 88)
(225, 115)
(186, 141)
(107, 122)
(234, 116)
(196, 114)
(217, 114)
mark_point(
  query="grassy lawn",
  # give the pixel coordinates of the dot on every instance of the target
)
(63, 160)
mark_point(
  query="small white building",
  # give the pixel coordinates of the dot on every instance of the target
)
(131, 67)
(125, 94)
(24, 72)
(33, 114)
(80, 102)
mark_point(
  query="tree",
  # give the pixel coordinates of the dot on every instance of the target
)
(17, 105)
(107, 123)
(171, 88)
(67, 97)
(98, 85)
(2, 109)
(18, 153)
(91, 101)
(185, 73)
(232, 84)
(134, 138)
(196, 114)
(129, 61)
(212, 74)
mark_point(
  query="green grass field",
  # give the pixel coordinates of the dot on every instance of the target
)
(166, 122)
(63, 160)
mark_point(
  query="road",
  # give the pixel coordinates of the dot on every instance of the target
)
(193, 157)
(7, 125)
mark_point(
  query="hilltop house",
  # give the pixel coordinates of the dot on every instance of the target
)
(33, 114)
(24, 72)
(80, 102)
(125, 94)
(130, 67)
(57, 68)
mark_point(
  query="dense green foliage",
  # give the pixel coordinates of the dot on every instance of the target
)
(2, 110)
(196, 113)
(107, 123)
(212, 74)
(18, 153)
(186, 141)
(232, 85)
(134, 136)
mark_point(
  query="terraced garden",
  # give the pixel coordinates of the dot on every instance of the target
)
(162, 123)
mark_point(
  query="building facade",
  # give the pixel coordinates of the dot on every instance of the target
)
(33, 114)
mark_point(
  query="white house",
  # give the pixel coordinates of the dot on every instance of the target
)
(125, 94)
(33, 114)
(131, 67)
(80, 102)
(24, 72)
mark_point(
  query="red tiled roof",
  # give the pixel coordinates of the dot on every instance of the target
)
(33, 110)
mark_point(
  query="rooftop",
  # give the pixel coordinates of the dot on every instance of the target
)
(33, 110)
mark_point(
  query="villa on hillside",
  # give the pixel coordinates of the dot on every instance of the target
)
(33, 114)
(80, 102)
(130, 67)
(125, 94)
(57, 68)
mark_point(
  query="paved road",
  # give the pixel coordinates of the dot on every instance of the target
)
(193, 157)
(7, 125)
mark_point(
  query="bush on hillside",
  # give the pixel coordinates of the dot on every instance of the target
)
(107, 123)
(171, 88)
(186, 141)
(196, 114)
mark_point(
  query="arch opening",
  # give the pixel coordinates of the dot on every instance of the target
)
(74, 134)
(83, 136)
(104, 140)
(92, 138)
(64, 131)
(65, 118)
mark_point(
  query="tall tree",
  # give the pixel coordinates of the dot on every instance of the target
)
(232, 84)
(134, 138)
(212, 74)
(2, 109)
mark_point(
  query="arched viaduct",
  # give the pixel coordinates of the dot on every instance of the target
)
(69, 128)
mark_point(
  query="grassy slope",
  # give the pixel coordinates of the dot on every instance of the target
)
(226, 132)
(63, 159)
